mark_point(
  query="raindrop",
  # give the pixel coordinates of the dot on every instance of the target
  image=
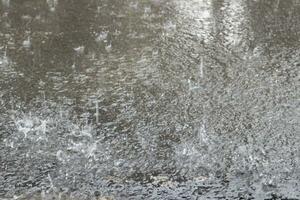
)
(202, 135)
(201, 67)
(97, 112)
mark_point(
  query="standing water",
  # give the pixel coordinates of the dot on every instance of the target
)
(149, 99)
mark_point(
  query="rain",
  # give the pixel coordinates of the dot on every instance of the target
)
(149, 99)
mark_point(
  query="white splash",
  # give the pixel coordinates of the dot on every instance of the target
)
(51, 182)
(170, 26)
(102, 36)
(91, 151)
(79, 49)
(44, 126)
(52, 4)
(188, 149)
(108, 47)
(34, 125)
(60, 156)
(86, 131)
(25, 125)
(27, 43)
(192, 86)
(4, 59)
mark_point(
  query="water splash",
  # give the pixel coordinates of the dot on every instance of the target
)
(52, 4)
(27, 43)
(102, 36)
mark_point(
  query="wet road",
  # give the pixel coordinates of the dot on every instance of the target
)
(149, 99)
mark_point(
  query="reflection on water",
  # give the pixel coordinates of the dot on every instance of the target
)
(151, 99)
